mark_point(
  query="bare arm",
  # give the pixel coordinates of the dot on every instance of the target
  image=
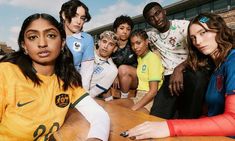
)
(153, 88)
(176, 84)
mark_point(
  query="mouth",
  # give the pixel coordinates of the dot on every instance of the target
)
(43, 54)
(160, 23)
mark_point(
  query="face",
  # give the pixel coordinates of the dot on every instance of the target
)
(139, 45)
(156, 17)
(203, 39)
(106, 47)
(123, 31)
(42, 42)
(77, 22)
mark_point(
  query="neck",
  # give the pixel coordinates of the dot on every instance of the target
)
(97, 52)
(46, 70)
(68, 31)
(122, 43)
(165, 28)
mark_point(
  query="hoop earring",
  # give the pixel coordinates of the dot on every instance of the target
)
(25, 52)
(62, 50)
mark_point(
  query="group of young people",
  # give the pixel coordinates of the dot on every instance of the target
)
(189, 64)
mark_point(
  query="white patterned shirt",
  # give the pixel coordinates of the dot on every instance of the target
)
(171, 45)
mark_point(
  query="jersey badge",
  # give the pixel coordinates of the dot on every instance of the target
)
(62, 100)
(77, 46)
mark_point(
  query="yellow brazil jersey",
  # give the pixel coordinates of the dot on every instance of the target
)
(149, 69)
(29, 112)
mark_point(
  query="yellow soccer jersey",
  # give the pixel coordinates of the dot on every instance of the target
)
(149, 69)
(29, 112)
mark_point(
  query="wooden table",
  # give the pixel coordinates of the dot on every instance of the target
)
(123, 119)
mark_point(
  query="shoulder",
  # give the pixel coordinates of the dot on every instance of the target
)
(7, 66)
(231, 55)
(86, 35)
(182, 23)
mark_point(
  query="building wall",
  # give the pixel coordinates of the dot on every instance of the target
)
(4, 49)
(184, 9)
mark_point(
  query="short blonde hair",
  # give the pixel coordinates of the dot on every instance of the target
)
(110, 35)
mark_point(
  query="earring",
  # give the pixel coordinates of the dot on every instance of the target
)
(25, 52)
(62, 50)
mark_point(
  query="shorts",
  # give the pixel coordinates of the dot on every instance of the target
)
(139, 96)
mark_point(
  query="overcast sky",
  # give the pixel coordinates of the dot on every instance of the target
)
(13, 12)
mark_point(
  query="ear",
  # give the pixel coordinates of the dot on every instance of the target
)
(63, 45)
(25, 48)
(63, 16)
(115, 49)
(164, 11)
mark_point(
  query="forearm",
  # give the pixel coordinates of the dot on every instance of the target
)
(97, 117)
(223, 124)
(144, 101)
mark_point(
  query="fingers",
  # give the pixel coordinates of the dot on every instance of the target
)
(176, 88)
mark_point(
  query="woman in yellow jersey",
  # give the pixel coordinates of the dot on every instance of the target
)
(149, 71)
(39, 84)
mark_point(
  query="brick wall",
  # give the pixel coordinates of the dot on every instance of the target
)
(229, 18)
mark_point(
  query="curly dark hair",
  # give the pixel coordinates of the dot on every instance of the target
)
(122, 20)
(225, 38)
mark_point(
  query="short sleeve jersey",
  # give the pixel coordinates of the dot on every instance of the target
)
(125, 56)
(222, 83)
(171, 45)
(105, 71)
(29, 112)
(82, 47)
(149, 69)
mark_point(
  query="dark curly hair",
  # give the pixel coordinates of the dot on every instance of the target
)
(122, 20)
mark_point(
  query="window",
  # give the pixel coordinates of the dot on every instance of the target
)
(142, 25)
(205, 8)
(220, 5)
(179, 15)
(190, 13)
(170, 17)
(232, 3)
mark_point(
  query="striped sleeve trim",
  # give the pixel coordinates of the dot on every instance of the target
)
(78, 100)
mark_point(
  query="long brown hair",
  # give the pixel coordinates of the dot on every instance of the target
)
(224, 37)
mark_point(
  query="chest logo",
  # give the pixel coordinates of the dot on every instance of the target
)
(77, 46)
(144, 67)
(20, 104)
(62, 100)
(219, 82)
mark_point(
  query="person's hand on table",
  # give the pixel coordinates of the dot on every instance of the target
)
(149, 130)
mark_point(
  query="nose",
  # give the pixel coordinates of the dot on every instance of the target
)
(42, 43)
(198, 41)
(156, 18)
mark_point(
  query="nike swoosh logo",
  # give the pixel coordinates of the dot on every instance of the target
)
(23, 104)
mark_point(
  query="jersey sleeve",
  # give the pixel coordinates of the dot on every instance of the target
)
(2, 92)
(155, 68)
(77, 95)
(89, 51)
(220, 125)
(230, 77)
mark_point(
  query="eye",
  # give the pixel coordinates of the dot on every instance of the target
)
(203, 32)
(193, 38)
(111, 45)
(83, 18)
(31, 37)
(51, 35)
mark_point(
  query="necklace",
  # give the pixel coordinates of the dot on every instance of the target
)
(164, 37)
(168, 33)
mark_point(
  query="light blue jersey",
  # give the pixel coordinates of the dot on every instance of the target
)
(82, 47)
